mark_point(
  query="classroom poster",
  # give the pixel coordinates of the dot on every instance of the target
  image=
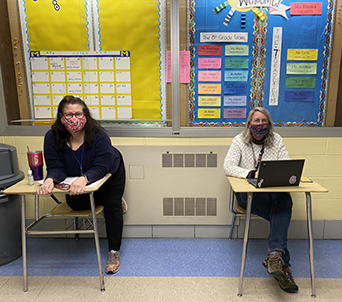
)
(274, 55)
(93, 28)
(101, 79)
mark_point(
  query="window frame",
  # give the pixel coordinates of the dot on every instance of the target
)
(176, 130)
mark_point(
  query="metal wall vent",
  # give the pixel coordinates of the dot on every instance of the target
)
(189, 206)
(167, 160)
(186, 160)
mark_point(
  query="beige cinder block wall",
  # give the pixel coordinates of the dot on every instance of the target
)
(323, 163)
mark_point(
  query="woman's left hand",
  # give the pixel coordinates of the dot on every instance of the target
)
(78, 186)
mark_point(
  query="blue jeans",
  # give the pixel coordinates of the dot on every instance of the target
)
(277, 209)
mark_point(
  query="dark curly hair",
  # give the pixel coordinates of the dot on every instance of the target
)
(63, 135)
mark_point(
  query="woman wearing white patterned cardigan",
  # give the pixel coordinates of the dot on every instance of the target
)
(259, 142)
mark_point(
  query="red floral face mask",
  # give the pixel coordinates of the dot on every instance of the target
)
(74, 124)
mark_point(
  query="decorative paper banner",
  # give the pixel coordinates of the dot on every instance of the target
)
(260, 14)
(224, 37)
(209, 101)
(281, 11)
(300, 82)
(236, 50)
(235, 88)
(209, 113)
(302, 54)
(301, 68)
(275, 65)
(184, 66)
(243, 20)
(234, 113)
(299, 96)
(236, 63)
(209, 50)
(236, 75)
(209, 88)
(220, 7)
(257, 3)
(306, 8)
(209, 63)
(228, 17)
(240, 100)
(209, 76)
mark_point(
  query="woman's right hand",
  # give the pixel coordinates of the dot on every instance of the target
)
(46, 188)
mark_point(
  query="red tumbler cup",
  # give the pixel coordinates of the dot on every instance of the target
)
(35, 159)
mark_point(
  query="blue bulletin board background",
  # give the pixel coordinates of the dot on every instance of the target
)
(313, 32)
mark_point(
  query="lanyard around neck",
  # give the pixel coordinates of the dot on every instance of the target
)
(80, 163)
(256, 164)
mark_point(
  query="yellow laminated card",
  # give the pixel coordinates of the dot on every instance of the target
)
(302, 54)
(209, 113)
(210, 101)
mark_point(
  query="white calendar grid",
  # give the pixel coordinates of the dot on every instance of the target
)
(103, 82)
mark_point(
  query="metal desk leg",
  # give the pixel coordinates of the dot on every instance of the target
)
(23, 241)
(245, 241)
(97, 244)
(36, 207)
(309, 221)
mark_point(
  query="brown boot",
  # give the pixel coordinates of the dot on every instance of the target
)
(288, 284)
(274, 263)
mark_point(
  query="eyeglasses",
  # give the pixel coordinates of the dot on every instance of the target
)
(70, 115)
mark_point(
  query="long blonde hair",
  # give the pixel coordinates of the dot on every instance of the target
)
(269, 136)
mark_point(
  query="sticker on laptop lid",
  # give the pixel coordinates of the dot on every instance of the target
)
(293, 179)
(260, 183)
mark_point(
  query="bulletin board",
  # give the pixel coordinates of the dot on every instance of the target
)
(101, 79)
(94, 29)
(244, 55)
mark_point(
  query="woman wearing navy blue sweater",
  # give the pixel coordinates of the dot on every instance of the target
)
(76, 145)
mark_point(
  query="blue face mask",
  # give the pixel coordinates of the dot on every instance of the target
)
(259, 130)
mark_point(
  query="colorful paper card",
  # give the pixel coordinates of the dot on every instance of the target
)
(235, 88)
(209, 50)
(240, 100)
(209, 113)
(236, 63)
(224, 37)
(236, 50)
(300, 82)
(305, 8)
(299, 96)
(234, 113)
(301, 68)
(209, 88)
(302, 54)
(184, 66)
(209, 101)
(236, 75)
(209, 63)
(209, 76)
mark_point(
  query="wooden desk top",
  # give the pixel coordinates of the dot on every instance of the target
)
(240, 185)
(22, 187)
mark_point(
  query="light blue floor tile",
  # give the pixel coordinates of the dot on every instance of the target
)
(172, 257)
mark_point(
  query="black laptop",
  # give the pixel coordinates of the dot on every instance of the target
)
(278, 173)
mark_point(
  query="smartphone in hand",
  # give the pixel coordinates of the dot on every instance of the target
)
(63, 186)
